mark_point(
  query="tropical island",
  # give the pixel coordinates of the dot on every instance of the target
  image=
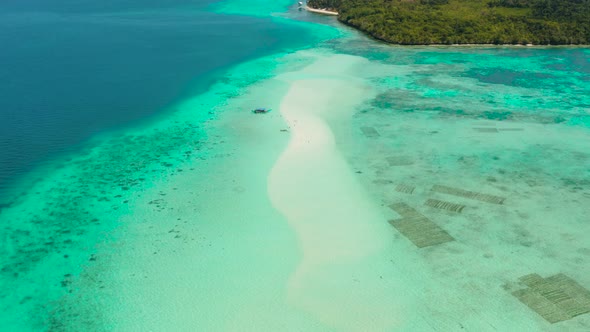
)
(424, 22)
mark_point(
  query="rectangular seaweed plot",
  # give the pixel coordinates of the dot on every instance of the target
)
(511, 129)
(370, 132)
(417, 228)
(435, 203)
(469, 194)
(404, 188)
(486, 130)
(556, 298)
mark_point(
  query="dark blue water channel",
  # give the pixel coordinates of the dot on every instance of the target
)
(70, 69)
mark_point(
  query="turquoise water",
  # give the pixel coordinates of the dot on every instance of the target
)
(74, 69)
(208, 217)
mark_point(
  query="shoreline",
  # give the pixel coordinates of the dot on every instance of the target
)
(321, 11)
(375, 38)
(380, 40)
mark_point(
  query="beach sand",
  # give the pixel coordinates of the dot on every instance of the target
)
(321, 11)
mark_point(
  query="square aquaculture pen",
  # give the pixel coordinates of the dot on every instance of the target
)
(417, 228)
(453, 207)
(511, 129)
(486, 130)
(468, 194)
(556, 298)
(370, 132)
(405, 188)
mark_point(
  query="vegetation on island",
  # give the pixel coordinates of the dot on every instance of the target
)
(420, 22)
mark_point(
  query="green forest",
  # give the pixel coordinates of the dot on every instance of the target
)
(421, 22)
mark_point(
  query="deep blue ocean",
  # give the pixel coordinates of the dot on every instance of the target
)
(71, 69)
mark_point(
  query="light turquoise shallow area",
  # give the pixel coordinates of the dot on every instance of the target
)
(171, 225)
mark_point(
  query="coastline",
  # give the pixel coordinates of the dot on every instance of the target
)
(321, 11)
(383, 40)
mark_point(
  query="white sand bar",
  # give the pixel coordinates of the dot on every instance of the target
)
(338, 227)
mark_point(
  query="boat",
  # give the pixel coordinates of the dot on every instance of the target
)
(261, 110)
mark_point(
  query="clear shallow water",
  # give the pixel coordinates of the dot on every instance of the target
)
(170, 225)
(504, 122)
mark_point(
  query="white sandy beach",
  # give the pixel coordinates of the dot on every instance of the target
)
(321, 11)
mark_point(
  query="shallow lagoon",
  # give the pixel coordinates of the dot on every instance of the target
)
(234, 221)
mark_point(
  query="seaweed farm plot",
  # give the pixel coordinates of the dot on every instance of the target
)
(453, 207)
(469, 194)
(511, 129)
(556, 298)
(417, 227)
(486, 130)
(493, 177)
(370, 132)
(496, 130)
(405, 188)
